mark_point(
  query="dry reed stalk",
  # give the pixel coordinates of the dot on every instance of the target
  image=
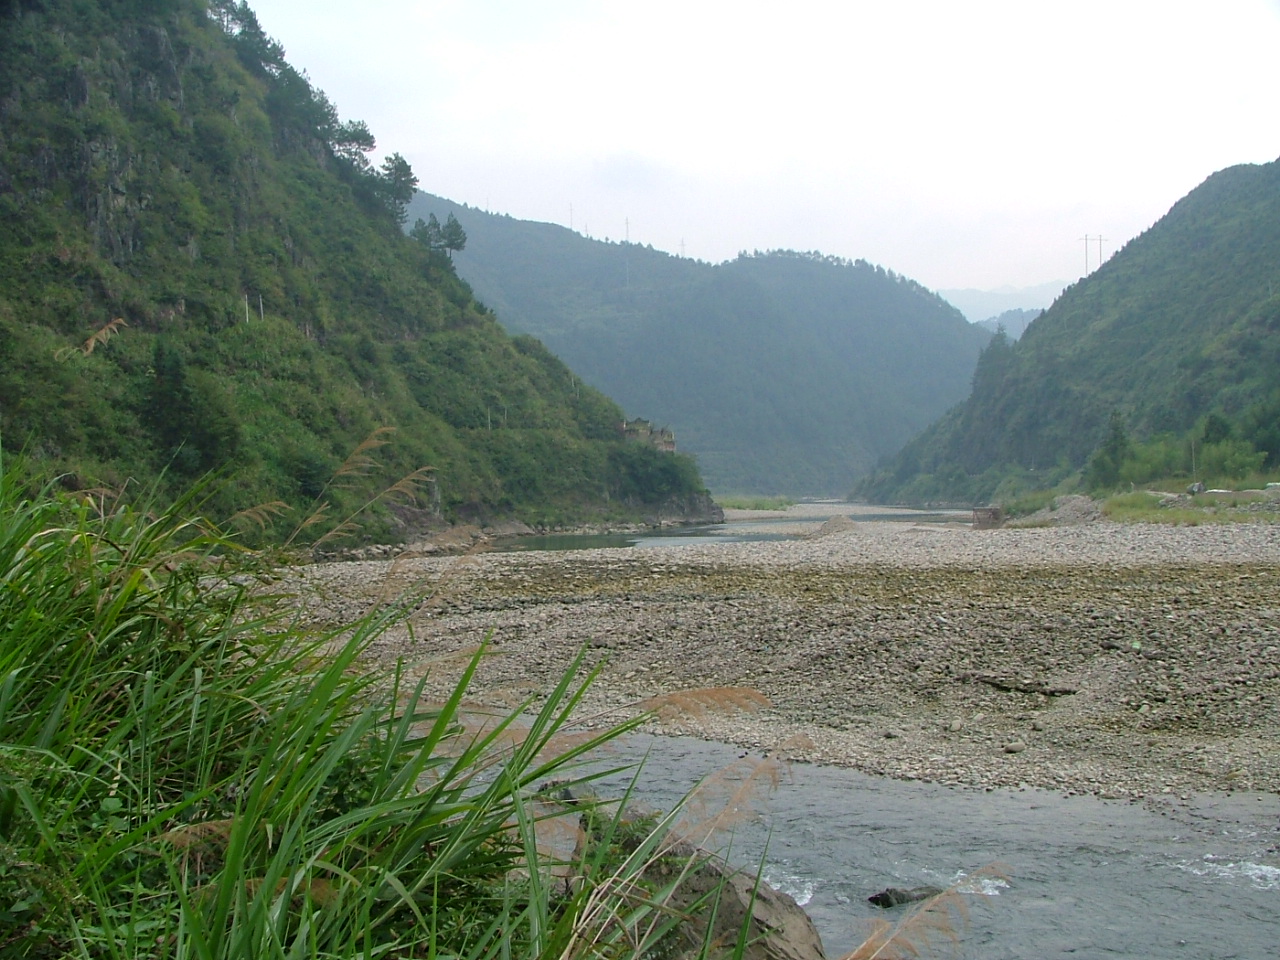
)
(925, 927)
(358, 462)
(442, 588)
(726, 798)
(404, 487)
(96, 339)
(202, 842)
(921, 929)
(260, 515)
(342, 529)
(627, 886)
(103, 334)
(319, 513)
(319, 891)
(695, 704)
(210, 832)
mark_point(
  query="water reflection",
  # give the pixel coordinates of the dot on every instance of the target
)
(795, 524)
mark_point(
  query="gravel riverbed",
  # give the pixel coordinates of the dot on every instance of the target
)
(1121, 660)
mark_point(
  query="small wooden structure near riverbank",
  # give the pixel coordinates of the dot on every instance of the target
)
(987, 518)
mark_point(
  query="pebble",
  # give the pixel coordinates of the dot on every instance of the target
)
(872, 642)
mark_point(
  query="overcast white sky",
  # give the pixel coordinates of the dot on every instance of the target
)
(964, 143)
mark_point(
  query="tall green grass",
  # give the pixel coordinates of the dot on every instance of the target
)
(185, 773)
(1141, 506)
(188, 774)
(755, 502)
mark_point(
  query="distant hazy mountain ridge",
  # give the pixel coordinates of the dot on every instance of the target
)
(980, 305)
(1012, 322)
(1179, 327)
(782, 372)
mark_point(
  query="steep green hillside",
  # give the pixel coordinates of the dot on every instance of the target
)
(1013, 322)
(782, 372)
(200, 268)
(1180, 328)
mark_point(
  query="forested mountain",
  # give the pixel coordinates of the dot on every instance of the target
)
(980, 305)
(1173, 342)
(201, 269)
(1012, 322)
(782, 372)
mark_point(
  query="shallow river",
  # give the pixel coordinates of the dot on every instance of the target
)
(1081, 877)
(1043, 875)
(800, 518)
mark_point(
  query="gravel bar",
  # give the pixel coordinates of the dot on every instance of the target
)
(1126, 661)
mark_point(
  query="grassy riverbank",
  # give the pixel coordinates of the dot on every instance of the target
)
(186, 771)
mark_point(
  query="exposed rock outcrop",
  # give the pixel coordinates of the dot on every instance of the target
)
(777, 928)
(695, 508)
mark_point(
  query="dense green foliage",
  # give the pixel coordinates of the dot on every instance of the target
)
(1180, 327)
(783, 372)
(188, 774)
(200, 267)
(1013, 322)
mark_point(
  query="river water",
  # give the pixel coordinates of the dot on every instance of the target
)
(799, 520)
(1042, 874)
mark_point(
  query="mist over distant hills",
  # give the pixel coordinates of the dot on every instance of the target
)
(1174, 343)
(1012, 322)
(979, 305)
(782, 372)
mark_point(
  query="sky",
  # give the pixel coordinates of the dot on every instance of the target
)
(965, 144)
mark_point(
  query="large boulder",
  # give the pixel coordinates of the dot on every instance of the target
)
(716, 900)
(715, 893)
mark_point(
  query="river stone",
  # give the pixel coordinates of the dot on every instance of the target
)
(896, 896)
(778, 929)
(1015, 746)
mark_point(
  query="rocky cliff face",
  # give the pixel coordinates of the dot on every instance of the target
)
(695, 508)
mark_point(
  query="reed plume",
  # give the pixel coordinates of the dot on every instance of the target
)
(96, 339)
(359, 463)
(698, 703)
(925, 929)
